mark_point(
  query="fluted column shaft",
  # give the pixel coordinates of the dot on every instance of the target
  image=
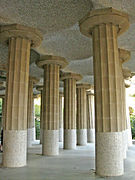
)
(81, 116)
(16, 103)
(107, 97)
(70, 113)
(90, 118)
(128, 121)
(30, 115)
(51, 109)
(107, 78)
(61, 117)
(3, 112)
(41, 118)
(123, 117)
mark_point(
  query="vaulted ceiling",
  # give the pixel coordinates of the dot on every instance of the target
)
(58, 21)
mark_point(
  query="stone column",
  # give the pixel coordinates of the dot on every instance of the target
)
(81, 114)
(128, 121)
(104, 25)
(90, 117)
(40, 88)
(128, 136)
(3, 112)
(30, 113)
(124, 56)
(20, 39)
(70, 109)
(51, 66)
(61, 117)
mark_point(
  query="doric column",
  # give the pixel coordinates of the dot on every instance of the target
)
(81, 114)
(20, 39)
(70, 109)
(128, 136)
(128, 120)
(3, 112)
(124, 56)
(30, 113)
(104, 25)
(60, 117)
(40, 88)
(51, 66)
(90, 117)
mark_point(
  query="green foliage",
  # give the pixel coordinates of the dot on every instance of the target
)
(37, 111)
(132, 120)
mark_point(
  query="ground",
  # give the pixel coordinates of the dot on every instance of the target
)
(69, 165)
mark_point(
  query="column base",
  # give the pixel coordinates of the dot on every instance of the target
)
(69, 138)
(61, 135)
(109, 159)
(15, 148)
(50, 145)
(91, 135)
(82, 137)
(30, 136)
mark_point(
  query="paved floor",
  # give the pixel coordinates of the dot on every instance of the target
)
(69, 165)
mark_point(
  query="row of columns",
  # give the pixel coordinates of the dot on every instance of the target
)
(104, 26)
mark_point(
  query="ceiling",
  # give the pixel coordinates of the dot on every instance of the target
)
(58, 21)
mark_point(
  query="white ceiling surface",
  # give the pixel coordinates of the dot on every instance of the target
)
(58, 21)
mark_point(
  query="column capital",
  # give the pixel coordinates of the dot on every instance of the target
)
(124, 55)
(70, 75)
(39, 88)
(49, 59)
(86, 86)
(17, 30)
(104, 16)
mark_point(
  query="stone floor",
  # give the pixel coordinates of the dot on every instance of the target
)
(69, 165)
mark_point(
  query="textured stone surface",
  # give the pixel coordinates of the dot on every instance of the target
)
(69, 108)
(90, 117)
(61, 134)
(15, 146)
(17, 84)
(50, 146)
(106, 57)
(82, 137)
(91, 135)
(76, 46)
(69, 138)
(124, 139)
(109, 156)
(30, 136)
(61, 117)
